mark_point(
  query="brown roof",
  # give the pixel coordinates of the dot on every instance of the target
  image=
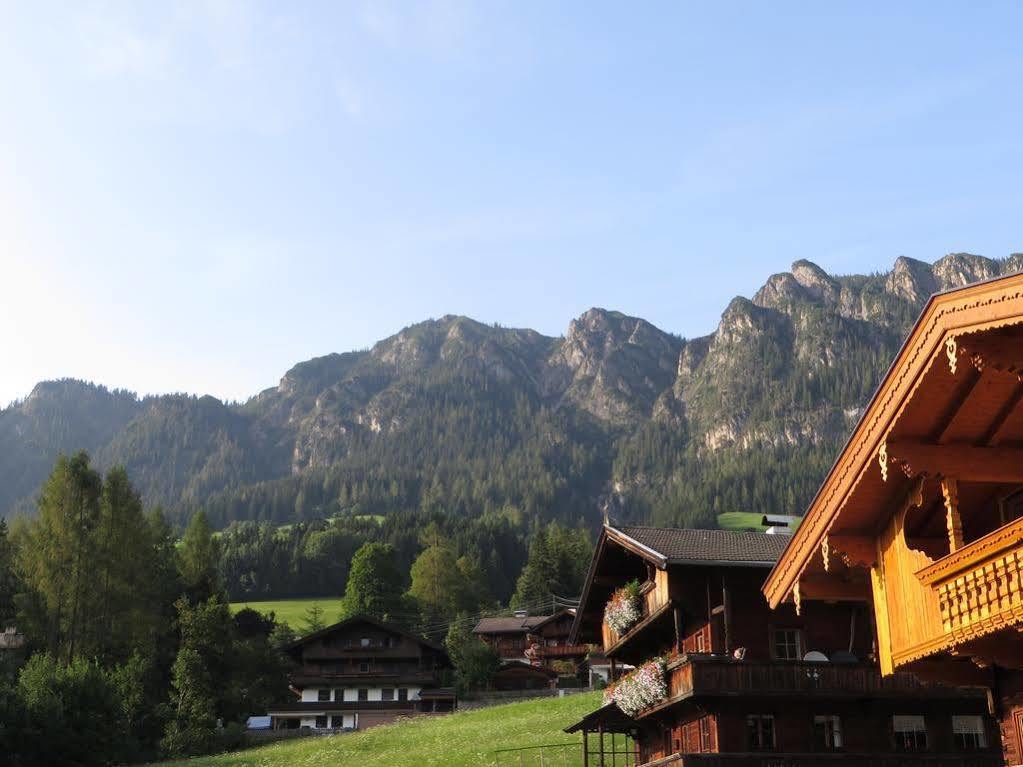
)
(679, 546)
(508, 625)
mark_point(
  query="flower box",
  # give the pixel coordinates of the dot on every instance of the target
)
(623, 609)
(639, 689)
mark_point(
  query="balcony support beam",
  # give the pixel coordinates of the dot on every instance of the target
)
(965, 462)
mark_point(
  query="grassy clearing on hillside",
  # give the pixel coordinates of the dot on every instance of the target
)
(745, 520)
(293, 611)
(463, 739)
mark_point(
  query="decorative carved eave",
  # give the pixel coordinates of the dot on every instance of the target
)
(985, 353)
(975, 308)
(965, 462)
(854, 550)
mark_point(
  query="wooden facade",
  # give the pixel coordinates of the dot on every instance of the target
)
(741, 685)
(362, 672)
(533, 649)
(922, 513)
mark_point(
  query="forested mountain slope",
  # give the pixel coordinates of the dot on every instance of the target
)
(454, 417)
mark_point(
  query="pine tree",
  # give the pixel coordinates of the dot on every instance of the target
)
(374, 585)
(198, 560)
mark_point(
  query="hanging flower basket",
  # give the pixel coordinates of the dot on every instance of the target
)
(623, 609)
(640, 689)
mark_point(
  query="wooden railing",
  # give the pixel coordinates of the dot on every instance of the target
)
(819, 759)
(561, 651)
(720, 675)
(979, 587)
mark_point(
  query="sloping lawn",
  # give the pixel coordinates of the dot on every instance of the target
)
(463, 739)
(293, 611)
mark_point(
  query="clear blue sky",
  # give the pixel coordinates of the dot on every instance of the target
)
(194, 196)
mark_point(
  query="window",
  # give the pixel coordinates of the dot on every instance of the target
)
(910, 733)
(323, 695)
(364, 642)
(701, 642)
(363, 668)
(827, 733)
(969, 733)
(760, 731)
(321, 722)
(705, 744)
(339, 694)
(786, 644)
(363, 694)
(387, 693)
(336, 722)
(402, 693)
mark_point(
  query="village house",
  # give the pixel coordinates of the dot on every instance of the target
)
(363, 672)
(718, 673)
(921, 515)
(533, 649)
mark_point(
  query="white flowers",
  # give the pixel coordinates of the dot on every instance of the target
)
(623, 609)
(640, 689)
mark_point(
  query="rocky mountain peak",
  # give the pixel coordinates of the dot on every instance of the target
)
(958, 269)
(911, 280)
(815, 281)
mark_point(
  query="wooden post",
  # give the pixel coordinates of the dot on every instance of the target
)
(586, 748)
(601, 731)
(612, 669)
(614, 750)
(727, 602)
(542, 763)
(950, 489)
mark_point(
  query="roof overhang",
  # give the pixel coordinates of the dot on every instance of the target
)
(980, 307)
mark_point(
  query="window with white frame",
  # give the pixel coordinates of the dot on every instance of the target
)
(827, 732)
(760, 731)
(323, 695)
(786, 644)
(910, 732)
(969, 732)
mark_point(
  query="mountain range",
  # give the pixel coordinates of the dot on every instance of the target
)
(452, 416)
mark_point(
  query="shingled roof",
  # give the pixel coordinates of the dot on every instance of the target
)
(678, 546)
(508, 625)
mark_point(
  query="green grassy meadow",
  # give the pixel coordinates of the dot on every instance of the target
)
(743, 520)
(293, 611)
(463, 739)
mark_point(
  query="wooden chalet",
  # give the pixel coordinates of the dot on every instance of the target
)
(537, 639)
(921, 515)
(363, 672)
(723, 680)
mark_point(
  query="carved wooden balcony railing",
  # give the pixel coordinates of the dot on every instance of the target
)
(818, 759)
(979, 587)
(653, 600)
(562, 651)
(713, 675)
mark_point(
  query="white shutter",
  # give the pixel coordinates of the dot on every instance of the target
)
(908, 723)
(968, 725)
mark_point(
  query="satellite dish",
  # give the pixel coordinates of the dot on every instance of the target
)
(842, 656)
(815, 657)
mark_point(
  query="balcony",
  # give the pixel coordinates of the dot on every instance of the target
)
(717, 675)
(819, 759)
(979, 586)
(654, 603)
(561, 651)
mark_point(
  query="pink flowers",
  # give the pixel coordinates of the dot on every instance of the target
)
(623, 609)
(640, 689)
